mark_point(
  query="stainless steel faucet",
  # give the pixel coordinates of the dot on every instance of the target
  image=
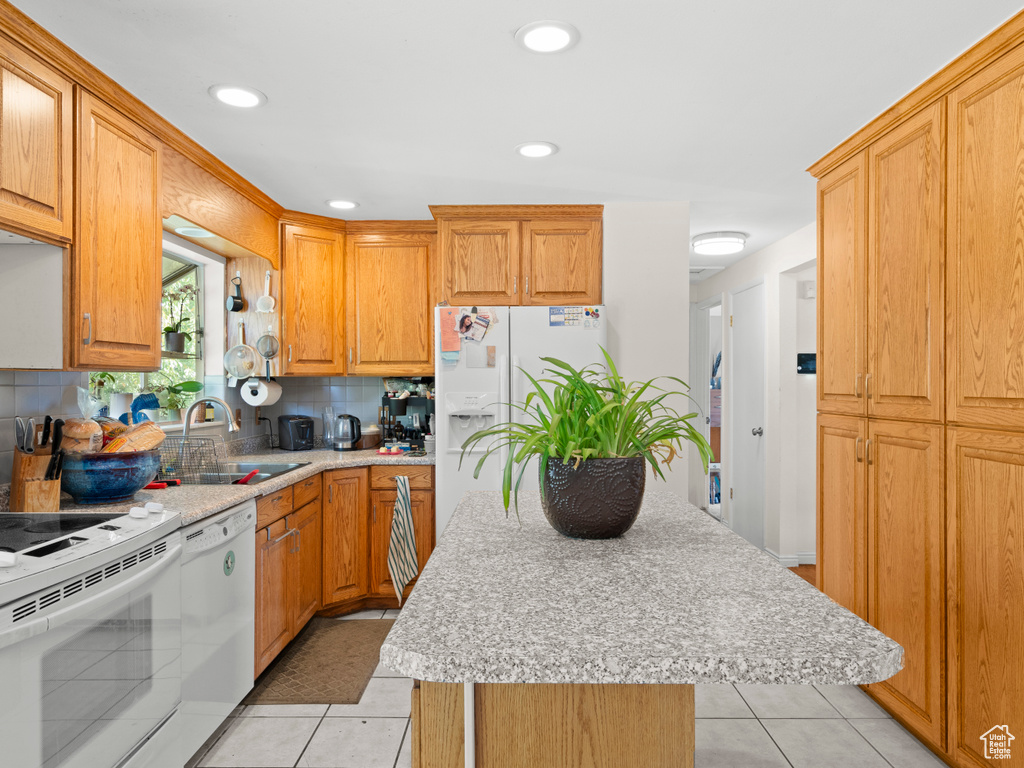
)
(233, 426)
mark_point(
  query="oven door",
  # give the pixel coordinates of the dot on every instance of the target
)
(95, 668)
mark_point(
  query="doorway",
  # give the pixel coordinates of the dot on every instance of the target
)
(747, 444)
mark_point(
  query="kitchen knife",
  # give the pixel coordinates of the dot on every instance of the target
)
(19, 432)
(46, 429)
(52, 469)
(30, 437)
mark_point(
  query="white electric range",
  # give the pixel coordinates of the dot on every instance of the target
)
(90, 639)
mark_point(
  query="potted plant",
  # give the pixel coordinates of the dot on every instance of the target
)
(174, 336)
(179, 396)
(594, 434)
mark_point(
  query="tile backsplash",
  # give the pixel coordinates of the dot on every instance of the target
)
(32, 394)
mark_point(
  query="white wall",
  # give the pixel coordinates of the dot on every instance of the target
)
(646, 290)
(790, 465)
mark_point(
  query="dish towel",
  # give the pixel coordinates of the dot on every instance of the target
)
(402, 562)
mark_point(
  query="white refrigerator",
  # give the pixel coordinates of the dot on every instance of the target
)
(479, 371)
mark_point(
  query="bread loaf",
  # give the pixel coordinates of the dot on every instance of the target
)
(142, 437)
(82, 436)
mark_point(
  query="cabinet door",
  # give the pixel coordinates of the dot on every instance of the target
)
(390, 304)
(116, 262)
(905, 271)
(985, 373)
(985, 550)
(906, 566)
(345, 535)
(313, 302)
(561, 262)
(274, 606)
(306, 563)
(479, 261)
(36, 144)
(383, 509)
(842, 229)
(842, 529)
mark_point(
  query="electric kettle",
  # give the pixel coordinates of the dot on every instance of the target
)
(347, 433)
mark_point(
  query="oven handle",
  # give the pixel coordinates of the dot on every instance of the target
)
(22, 632)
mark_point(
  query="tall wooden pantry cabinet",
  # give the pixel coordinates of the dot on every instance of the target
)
(921, 394)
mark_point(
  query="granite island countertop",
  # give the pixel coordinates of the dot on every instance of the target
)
(678, 599)
(196, 502)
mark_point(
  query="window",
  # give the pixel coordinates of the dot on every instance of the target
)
(182, 308)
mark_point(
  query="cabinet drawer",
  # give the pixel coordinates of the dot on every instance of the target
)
(305, 491)
(274, 506)
(421, 476)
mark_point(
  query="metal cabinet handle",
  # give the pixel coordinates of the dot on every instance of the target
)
(757, 431)
(286, 534)
(290, 355)
(88, 336)
(330, 493)
(375, 513)
(527, 287)
(856, 449)
(867, 386)
(350, 355)
(514, 280)
(298, 540)
(867, 452)
(856, 386)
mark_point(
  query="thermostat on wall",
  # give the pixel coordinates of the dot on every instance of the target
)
(806, 362)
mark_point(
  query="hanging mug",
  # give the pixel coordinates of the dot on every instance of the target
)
(236, 303)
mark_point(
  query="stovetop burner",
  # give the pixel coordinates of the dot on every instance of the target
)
(19, 531)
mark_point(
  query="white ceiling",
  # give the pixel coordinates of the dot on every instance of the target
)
(400, 103)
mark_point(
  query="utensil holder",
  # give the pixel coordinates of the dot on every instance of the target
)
(29, 491)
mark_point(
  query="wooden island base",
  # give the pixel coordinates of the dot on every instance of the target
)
(556, 726)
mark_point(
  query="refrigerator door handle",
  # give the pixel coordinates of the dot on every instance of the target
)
(503, 403)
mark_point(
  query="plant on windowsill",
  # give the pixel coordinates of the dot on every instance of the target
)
(179, 397)
(174, 335)
(594, 433)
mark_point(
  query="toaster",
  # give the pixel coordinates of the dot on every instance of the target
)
(296, 432)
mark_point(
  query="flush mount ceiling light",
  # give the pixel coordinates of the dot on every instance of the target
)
(193, 232)
(537, 149)
(237, 96)
(342, 204)
(719, 243)
(547, 36)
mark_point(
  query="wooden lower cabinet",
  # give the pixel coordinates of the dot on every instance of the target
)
(906, 566)
(985, 550)
(346, 545)
(842, 528)
(288, 562)
(382, 505)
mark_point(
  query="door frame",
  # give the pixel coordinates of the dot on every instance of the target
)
(728, 404)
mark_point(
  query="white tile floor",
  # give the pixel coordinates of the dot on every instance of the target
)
(741, 726)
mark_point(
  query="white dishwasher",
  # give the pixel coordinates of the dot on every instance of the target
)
(218, 610)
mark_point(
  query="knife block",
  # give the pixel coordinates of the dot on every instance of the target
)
(29, 492)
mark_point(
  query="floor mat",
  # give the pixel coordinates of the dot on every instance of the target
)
(330, 662)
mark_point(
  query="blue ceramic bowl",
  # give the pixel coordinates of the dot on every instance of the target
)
(104, 478)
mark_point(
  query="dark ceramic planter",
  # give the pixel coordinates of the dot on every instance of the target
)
(174, 342)
(600, 499)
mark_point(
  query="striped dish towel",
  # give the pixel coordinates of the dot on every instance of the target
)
(402, 563)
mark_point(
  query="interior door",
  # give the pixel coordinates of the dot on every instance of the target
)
(746, 515)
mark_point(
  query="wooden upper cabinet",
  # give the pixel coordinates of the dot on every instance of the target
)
(906, 566)
(479, 261)
(36, 145)
(561, 262)
(985, 551)
(842, 343)
(346, 551)
(842, 529)
(906, 243)
(312, 301)
(115, 283)
(985, 301)
(391, 295)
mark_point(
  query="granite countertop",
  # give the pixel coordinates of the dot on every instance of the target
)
(678, 599)
(196, 502)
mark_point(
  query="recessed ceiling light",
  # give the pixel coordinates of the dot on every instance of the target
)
(547, 36)
(719, 243)
(237, 96)
(196, 232)
(537, 149)
(343, 204)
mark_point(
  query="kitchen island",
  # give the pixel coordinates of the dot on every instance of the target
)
(554, 651)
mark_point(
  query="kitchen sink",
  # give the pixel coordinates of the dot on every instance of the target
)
(236, 470)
